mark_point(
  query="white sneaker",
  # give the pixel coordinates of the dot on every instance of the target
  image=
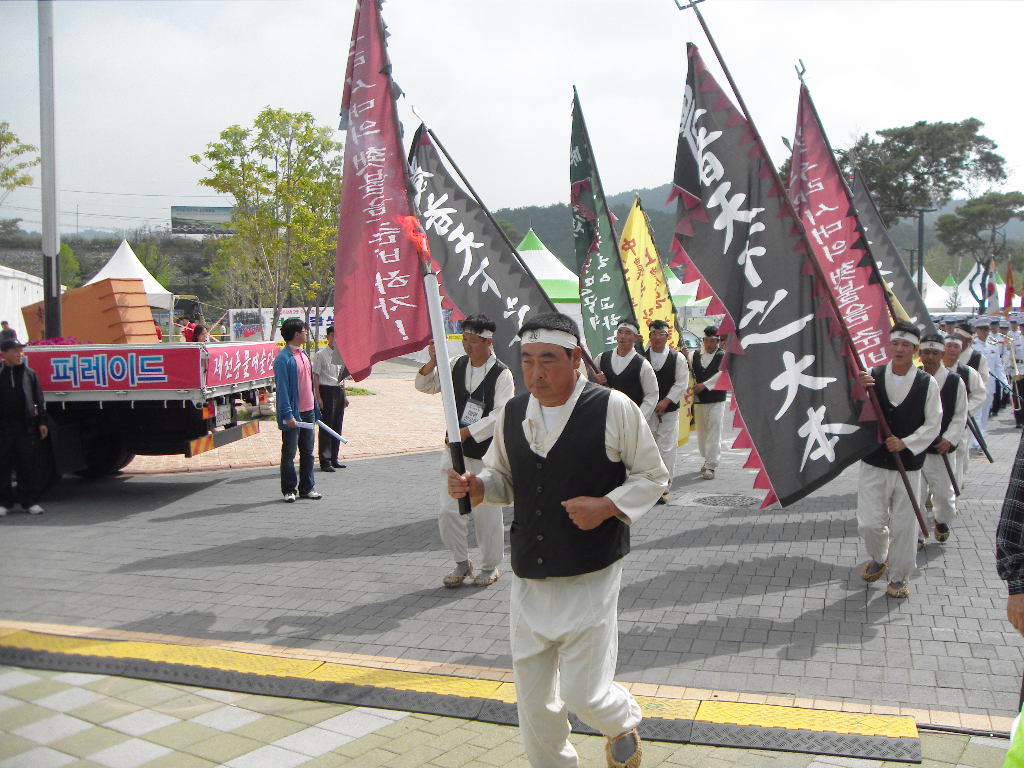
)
(3, 511)
(289, 498)
(35, 509)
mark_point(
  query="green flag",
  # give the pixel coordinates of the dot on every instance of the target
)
(604, 297)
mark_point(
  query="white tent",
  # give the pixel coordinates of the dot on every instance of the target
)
(557, 280)
(967, 301)
(18, 289)
(935, 296)
(125, 265)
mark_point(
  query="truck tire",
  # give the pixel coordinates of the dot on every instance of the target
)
(105, 458)
(47, 473)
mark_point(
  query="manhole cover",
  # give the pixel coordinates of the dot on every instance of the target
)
(728, 501)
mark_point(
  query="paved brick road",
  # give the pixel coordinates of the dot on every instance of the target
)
(715, 596)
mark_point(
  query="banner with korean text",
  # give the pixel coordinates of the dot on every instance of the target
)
(890, 264)
(380, 303)
(645, 276)
(604, 297)
(480, 272)
(820, 197)
(799, 407)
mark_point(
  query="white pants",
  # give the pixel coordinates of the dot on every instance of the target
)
(935, 478)
(666, 435)
(960, 460)
(565, 640)
(886, 520)
(709, 431)
(490, 533)
(981, 417)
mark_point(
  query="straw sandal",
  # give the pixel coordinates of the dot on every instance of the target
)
(485, 578)
(633, 761)
(870, 574)
(455, 579)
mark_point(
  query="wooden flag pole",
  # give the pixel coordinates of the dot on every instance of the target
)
(886, 431)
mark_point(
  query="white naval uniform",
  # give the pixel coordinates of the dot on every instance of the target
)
(454, 528)
(648, 381)
(666, 426)
(975, 402)
(934, 476)
(708, 418)
(991, 370)
(885, 517)
(564, 630)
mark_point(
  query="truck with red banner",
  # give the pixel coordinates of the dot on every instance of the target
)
(107, 403)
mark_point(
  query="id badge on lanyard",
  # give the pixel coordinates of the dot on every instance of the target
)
(472, 413)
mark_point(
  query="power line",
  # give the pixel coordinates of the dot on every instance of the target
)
(86, 214)
(132, 194)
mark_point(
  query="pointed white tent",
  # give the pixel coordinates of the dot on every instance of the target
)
(557, 280)
(967, 301)
(125, 265)
(935, 296)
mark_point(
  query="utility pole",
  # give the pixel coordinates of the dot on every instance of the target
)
(48, 176)
(912, 252)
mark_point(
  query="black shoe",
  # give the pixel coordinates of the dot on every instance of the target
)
(337, 465)
(326, 468)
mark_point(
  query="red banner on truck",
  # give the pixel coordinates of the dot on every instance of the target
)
(96, 368)
(236, 363)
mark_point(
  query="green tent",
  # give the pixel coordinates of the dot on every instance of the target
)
(557, 280)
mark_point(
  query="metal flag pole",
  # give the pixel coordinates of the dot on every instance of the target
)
(976, 431)
(883, 424)
(48, 176)
(504, 236)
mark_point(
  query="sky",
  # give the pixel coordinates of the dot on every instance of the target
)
(144, 84)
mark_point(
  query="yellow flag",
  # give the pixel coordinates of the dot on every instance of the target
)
(645, 275)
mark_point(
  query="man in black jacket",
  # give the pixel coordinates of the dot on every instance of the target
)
(21, 404)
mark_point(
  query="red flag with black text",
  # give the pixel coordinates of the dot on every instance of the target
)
(380, 306)
(823, 201)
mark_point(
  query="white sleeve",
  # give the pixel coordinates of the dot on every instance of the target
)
(925, 435)
(976, 399)
(430, 383)
(983, 371)
(629, 440)
(497, 472)
(504, 389)
(678, 389)
(649, 383)
(955, 431)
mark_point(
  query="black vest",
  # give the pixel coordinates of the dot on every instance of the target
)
(961, 369)
(627, 382)
(974, 360)
(483, 392)
(666, 376)
(948, 397)
(702, 374)
(903, 419)
(544, 541)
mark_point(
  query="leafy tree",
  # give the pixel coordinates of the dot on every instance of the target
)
(10, 228)
(978, 229)
(923, 165)
(284, 175)
(70, 271)
(155, 261)
(15, 160)
(514, 235)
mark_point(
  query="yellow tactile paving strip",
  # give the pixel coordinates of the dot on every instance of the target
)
(720, 712)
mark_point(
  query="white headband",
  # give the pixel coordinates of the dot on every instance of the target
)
(626, 324)
(548, 336)
(481, 334)
(951, 340)
(905, 336)
(933, 345)
(963, 334)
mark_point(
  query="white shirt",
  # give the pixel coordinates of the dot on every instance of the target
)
(992, 355)
(955, 431)
(504, 389)
(705, 361)
(682, 380)
(626, 439)
(648, 381)
(976, 398)
(897, 388)
(982, 368)
(325, 367)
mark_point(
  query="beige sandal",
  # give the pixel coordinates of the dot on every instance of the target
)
(455, 579)
(485, 578)
(633, 761)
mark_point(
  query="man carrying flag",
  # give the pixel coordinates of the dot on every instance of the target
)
(482, 387)
(885, 520)
(581, 468)
(708, 402)
(975, 386)
(934, 472)
(625, 370)
(673, 375)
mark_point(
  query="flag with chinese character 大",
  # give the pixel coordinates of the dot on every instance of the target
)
(380, 305)
(890, 265)
(820, 197)
(604, 296)
(480, 271)
(798, 404)
(645, 275)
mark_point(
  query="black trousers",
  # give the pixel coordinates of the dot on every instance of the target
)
(1018, 395)
(18, 446)
(332, 414)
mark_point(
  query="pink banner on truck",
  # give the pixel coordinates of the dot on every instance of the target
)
(238, 363)
(98, 369)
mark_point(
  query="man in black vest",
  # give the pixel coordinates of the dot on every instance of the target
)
(885, 518)
(580, 465)
(708, 402)
(482, 387)
(953, 397)
(630, 373)
(952, 350)
(22, 426)
(673, 376)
